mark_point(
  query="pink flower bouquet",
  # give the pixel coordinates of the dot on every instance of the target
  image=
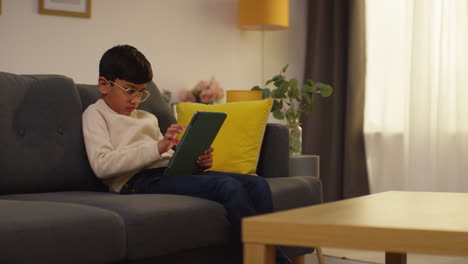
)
(205, 92)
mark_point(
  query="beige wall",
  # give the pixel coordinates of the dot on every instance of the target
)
(185, 40)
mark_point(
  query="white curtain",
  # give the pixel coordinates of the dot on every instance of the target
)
(416, 111)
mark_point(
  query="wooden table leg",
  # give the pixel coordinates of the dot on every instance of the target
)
(258, 254)
(320, 258)
(395, 258)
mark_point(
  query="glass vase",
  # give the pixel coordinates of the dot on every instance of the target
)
(295, 138)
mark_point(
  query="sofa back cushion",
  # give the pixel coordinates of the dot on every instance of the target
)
(155, 104)
(41, 142)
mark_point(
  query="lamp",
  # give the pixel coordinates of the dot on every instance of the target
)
(263, 14)
(243, 95)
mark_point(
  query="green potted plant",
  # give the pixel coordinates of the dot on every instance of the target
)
(290, 101)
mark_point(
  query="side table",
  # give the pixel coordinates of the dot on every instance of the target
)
(304, 165)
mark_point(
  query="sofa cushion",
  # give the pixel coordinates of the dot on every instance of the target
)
(41, 142)
(238, 143)
(155, 224)
(155, 104)
(50, 232)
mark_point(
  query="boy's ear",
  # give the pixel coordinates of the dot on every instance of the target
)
(103, 85)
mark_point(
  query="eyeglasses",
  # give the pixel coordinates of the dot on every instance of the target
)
(134, 92)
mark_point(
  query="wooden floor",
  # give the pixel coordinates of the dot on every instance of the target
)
(345, 256)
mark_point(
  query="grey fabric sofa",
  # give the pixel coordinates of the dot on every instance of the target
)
(54, 210)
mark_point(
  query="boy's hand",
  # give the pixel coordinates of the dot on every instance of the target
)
(170, 138)
(205, 161)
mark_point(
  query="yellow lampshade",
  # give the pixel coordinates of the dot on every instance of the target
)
(263, 14)
(243, 95)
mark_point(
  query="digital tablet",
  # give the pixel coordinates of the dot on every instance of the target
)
(198, 137)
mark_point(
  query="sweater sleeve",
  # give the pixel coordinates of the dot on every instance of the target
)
(107, 162)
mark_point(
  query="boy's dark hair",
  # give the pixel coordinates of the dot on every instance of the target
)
(126, 63)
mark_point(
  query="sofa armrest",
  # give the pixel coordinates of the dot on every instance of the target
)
(274, 155)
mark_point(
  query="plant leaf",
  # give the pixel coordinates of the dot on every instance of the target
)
(307, 97)
(293, 90)
(308, 109)
(278, 93)
(325, 89)
(307, 88)
(278, 82)
(285, 68)
(290, 92)
(277, 105)
(278, 115)
(277, 77)
(256, 88)
(293, 83)
(310, 83)
(266, 93)
(284, 85)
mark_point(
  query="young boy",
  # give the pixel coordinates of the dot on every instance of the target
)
(128, 152)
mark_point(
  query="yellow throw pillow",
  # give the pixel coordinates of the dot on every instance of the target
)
(238, 143)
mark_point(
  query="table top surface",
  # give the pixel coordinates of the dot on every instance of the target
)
(410, 221)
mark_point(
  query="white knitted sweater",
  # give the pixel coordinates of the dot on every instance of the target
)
(119, 146)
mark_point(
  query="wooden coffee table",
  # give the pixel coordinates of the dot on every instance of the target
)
(394, 222)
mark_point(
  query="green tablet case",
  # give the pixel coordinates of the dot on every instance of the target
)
(198, 137)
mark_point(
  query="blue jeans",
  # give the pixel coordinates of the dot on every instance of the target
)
(242, 195)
